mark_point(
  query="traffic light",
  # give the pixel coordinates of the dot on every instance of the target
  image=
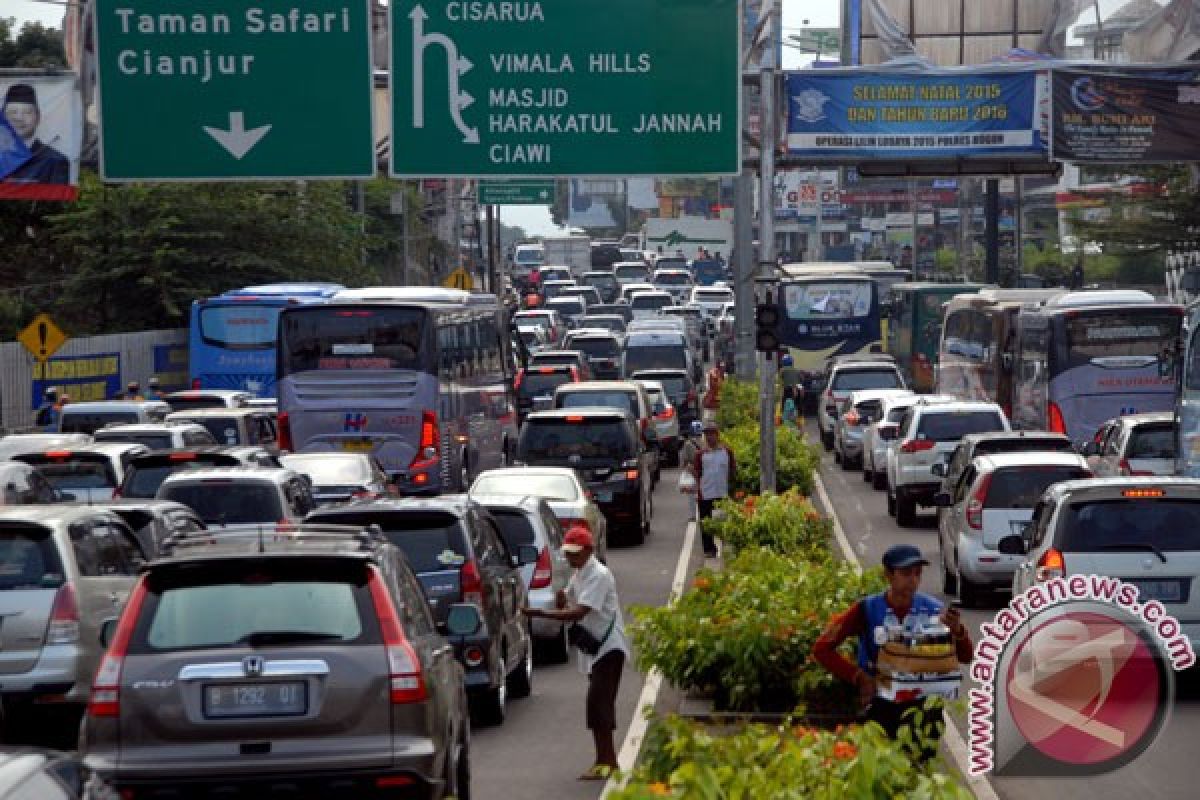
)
(766, 320)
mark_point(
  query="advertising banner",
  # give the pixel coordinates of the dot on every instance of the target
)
(934, 115)
(1126, 115)
(81, 378)
(41, 132)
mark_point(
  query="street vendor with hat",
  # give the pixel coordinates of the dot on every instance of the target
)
(877, 620)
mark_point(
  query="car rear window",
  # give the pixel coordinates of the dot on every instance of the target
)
(675, 386)
(593, 439)
(155, 441)
(433, 541)
(631, 272)
(869, 411)
(551, 487)
(1022, 486)
(537, 383)
(92, 421)
(1025, 444)
(616, 324)
(673, 279)
(853, 380)
(597, 346)
(606, 280)
(223, 429)
(1113, 525)
(713, 296)
(566, 305)
(623, 400)
(268, 602)
(1152, 441)
(554, 359)
(515, 527)
(28, 558)
(227, 502)
(641, 302)
(948, 426)
(643, 357)
(194, 403)
(78, 473)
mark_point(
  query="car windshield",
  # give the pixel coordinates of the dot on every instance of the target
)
(227, 502)
(593, 439)
(357, 338)
(28, 558)
(616, 398)
(550, 487)
(79, 474)
(854, 380)
(655, 357)
(1153, 441)
(338, 471)
(515, 528)
(1021, 487)
(1169, 524)
(248, 604)
(92, 421)
(950, 426)
(155, 441)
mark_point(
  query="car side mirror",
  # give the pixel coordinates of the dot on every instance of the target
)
(943, 500)
(463, 619)
(939, 469)
(1012, 545)
(888, 433)
(526, 554)
(107, 629)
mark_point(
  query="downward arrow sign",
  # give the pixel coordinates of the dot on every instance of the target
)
(237, 140)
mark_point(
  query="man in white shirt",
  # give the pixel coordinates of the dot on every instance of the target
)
(590, 600)
(714, 469)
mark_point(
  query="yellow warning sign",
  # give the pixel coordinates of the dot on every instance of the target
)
(459, 279)
(42, 337)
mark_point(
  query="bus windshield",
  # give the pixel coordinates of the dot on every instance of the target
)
(239, 326)
(824, 301)
(346, 339)
(1124, 334)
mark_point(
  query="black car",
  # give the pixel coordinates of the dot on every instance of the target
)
(145, 473)
(603, 351)
(534, 386)
(604, 446)
(605, 255)
(681, 390)
(459, 555)
(603, 282)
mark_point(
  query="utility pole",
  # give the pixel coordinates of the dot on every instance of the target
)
(766, 238)
(743, 258)
(991, 231)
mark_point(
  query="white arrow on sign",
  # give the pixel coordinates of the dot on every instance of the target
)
(237, 140)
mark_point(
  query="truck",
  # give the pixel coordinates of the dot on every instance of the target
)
(687, 235)
(568, 251)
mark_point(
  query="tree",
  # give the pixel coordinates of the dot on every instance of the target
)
(1158, 222)
(35, 46)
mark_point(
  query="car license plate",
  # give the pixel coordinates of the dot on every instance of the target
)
(255, 699)
(357, 445)
(1162, 591)
(604, 497)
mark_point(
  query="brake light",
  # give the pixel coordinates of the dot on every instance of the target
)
(472, 584)
(406, 681)
(546, 370)
(632, 474)
(427, 449)
(182, 457)
(196, 383)
(64, 617)
(543, 574)
(1143, 494)
(851, 418)
(666, 413)
(1057, 424)
(574, 418)
(105, 699)
(916, 445)
(517, 380)
(284, 424)
(58, 454)
(975, 504)
(1126, 469)
(1051, 566)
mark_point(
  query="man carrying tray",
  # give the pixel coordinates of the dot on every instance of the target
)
(913, 670)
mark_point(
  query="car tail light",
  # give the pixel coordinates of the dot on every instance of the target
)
(58, 455)
(574, 374)
(666, 414)
(472, 584)
(427, 450)
(284, 424)
(916, 445)
(405, 679)
(574, 418)
(543, 574)
(64, 617)
(196, 383)
(517, 380)
(1051, 566)
(1057, 423)
(977, 501)
(105, 699)
(1126, 469)
(547, 370)
(632, 475)
(852, 419)
(182, 457)
(473, 656)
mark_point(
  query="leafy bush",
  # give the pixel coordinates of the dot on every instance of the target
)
(739, 404)
(747, 633)
(795, 460)
(685, 760)
(786, 523)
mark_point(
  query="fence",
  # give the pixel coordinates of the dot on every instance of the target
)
(89, 368)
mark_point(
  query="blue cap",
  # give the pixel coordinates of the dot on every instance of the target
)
(903, 555)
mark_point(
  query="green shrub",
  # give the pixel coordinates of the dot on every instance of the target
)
(739, 404)
(786, 523)
(795, 459)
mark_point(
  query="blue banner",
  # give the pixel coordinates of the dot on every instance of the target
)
(171, 366)
(82, 378)
(833, 116)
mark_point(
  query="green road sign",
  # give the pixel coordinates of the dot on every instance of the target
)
(234, 90)
(565, 87)
(516, 193)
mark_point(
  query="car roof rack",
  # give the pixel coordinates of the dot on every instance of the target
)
(267, 537)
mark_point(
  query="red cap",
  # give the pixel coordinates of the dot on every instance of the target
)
(577, 539)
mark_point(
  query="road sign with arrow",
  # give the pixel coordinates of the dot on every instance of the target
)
(230, 90)
(516, 193)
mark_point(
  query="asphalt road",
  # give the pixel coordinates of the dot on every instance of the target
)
(1165, 770)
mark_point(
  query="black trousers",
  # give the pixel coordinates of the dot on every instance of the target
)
(706, 509)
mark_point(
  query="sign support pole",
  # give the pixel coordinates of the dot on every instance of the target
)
(743, 270)
(991, 231)
(766, 240)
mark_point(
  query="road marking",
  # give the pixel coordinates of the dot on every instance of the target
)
(979, 785)
(649, 696)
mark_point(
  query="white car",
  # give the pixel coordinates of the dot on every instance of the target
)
(666, 421)
(158, 435)
(927, 435)
(628, 290)
(853, 374)
(86, 473)
(677, 282)
(1135, 444)
(711, 299)
(880, 436)
(648, 304)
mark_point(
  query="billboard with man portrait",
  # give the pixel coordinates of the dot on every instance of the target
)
(41, 132)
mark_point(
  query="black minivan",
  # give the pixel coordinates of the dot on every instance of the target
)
(604, 445)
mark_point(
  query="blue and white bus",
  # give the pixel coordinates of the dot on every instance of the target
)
(418, 376)
(231, 337)
(1083, 358)
(1187, 398)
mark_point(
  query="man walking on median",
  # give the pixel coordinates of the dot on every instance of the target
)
(902, 564)
(714, 469)
(590, 601)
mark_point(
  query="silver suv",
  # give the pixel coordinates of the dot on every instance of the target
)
(63, 570)
(88, 473)
(993, 497)
(853, 374)
(1136, 444)
(158, 435)
(241, 495)
(927, 435)
(303, 661)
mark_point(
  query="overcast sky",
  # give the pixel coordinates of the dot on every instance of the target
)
(797, 14)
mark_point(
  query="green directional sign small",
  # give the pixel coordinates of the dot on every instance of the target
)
(234, 89)
(526, 88)
(515, 193)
